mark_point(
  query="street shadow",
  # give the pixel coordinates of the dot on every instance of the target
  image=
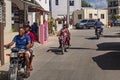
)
(55, 50)
(3, 75)
(75, 48)
(109, 46)
(92, 38)
(111, 36)
(118, 33)
(81, 48)
(108, 61)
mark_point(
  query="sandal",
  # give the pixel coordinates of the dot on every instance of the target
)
(31, 68)
(27, 74)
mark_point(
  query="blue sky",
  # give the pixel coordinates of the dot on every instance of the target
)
(98, 3)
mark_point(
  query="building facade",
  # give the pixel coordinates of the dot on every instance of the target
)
(18, 12)
(113, 8)
(59, 7)
(91, 13)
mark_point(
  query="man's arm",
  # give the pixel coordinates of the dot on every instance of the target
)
(10, 44)
(28, 46)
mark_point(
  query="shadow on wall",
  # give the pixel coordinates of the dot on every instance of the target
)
(108, 61)
(109, 46)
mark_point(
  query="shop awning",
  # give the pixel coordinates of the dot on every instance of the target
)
(34, 7)
(32, 4)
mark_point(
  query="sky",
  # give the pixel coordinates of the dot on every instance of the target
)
(98, 3)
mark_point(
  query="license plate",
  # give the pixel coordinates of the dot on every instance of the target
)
(14, 55)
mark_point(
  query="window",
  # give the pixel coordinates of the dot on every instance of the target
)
(45, 1)
(102, 16)
(71, 3)
(57, 2)
(95, 14)
(79, 16)
(114, 11)
(90, 16)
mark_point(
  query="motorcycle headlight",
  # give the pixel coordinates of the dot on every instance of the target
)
(22, 51)
(13, 55)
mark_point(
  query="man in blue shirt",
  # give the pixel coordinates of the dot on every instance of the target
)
(22, 41)
(98, 24)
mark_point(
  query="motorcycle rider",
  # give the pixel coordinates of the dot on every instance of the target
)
(64, 32)
(32, 38)
(98, 24)
(22, 41)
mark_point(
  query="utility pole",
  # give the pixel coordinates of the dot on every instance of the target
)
(68, 11)
(1, 33)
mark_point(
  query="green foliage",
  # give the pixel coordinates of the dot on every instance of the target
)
(113, 17)
(85, 4)
(51, 24)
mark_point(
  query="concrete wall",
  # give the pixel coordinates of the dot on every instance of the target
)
(8, 24)
(61, 9)
(76, 13)
(8, 36)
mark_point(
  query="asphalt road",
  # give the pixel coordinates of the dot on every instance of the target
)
(87, 59)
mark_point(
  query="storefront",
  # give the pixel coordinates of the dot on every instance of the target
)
(17, 17)
(20, 13)
(41, 18)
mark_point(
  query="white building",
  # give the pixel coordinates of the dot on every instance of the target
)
(59, 7)
(32, 15)
(91, 13)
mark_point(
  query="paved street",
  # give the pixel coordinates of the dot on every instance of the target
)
(87, 59)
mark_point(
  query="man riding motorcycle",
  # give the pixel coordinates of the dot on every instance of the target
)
(98, 24)
(22, 41)
(64, 32)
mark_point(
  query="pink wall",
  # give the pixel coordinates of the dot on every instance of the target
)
(43, 32)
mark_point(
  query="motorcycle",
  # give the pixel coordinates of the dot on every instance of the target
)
(63, 41)
(98, 32)
(17, 62)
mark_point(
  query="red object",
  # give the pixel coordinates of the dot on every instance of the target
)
(63, 40)
(43, 33)
(32, 37)
(58, 19)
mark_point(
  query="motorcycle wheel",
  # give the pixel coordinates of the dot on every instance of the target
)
(63, 48)
(98, 36)
(13, 73)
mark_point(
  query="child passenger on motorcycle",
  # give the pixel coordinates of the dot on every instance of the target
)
(32, 38)
(64, 32)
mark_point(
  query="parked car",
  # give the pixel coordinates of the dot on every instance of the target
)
(90, 23)
(117, 23)
(86, 24)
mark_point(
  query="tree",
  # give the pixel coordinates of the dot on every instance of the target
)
(51, 24)
(113, 17)
(85, 4)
